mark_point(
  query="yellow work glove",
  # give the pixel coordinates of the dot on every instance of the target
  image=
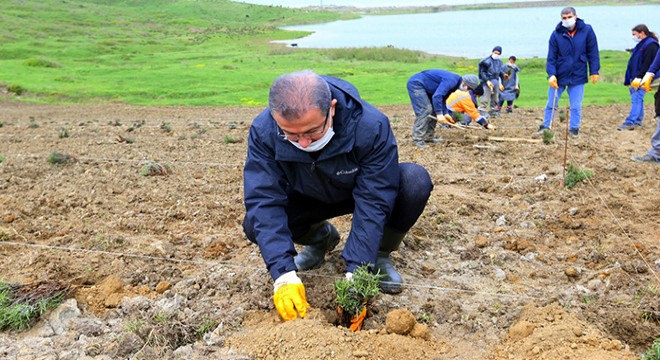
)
(646, 81)
(449, 119)
(553, 82)
(594, 78)
(490, 85)
(289, 298)
(501, 87)
(635, 83)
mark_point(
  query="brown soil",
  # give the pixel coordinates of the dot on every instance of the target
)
(501, 265)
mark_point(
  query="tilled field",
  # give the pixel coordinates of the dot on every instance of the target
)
(504, 263)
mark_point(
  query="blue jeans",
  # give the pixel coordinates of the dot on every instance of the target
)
(424, 127)
(575, 96)
(655, 141)
(637, 110)
(414, 191)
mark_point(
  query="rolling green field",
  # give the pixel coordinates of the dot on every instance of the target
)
(215, 53)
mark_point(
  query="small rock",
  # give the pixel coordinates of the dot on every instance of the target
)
(501, 221)
(573, 211)
(420, 331)
(360, 353)
(571, 272)
(400, 321)
(481, 241)
(521, 330)
(163, 286)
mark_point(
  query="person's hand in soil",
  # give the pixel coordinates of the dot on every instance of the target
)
(290, 300)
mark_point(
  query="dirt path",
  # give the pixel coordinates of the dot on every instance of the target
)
(503, 264)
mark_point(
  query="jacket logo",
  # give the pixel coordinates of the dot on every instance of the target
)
(346, 172)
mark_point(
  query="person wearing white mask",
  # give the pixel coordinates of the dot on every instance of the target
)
(640, 61)
(317, 152)
(572, 61)
(491, 72)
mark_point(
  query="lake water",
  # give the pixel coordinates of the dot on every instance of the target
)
(523, 32)
(370, 3)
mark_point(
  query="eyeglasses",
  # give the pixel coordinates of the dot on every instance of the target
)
(311, 135)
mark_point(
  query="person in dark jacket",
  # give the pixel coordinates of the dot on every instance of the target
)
(639, 63)
(317, 152)
(653, 155)
(428, 91)
(491, 73)
(572, 60)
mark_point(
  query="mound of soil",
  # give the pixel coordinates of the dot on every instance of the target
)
(505, 263)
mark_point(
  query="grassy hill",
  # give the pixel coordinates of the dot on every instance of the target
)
(207, 52)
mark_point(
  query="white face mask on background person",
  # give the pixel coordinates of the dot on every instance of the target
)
(495, 56)
(318, 144)
(462, 87)
(636, 39)
(568, 23)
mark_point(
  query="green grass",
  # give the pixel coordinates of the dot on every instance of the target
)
(214, 53)
(575, 175)
(653, 353)
(20, 313)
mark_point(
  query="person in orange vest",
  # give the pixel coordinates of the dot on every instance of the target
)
(464, 101)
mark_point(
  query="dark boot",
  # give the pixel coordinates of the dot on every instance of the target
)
(319, 240)
(391, 281)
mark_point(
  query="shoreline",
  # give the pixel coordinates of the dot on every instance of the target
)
(391, 10)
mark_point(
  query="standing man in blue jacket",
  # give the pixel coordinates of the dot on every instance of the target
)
(491, 72)
(319, 151)
(428, 91)
(571, 48)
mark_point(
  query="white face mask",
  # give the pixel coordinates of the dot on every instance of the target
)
(568, 23)
(318, 144)
(495, 56)
(636, 39)
(462, 87)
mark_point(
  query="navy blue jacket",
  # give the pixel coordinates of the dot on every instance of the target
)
(439, 84)
(490, 69)
(640, 59)
(568, 56)
(360, 162)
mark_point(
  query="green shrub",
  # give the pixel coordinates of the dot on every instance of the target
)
(16, 89)
(548, 136)
(41, 62)
(353, 295)
(63, 133)
(155, 169)
(653, 353)
(230, 140)
(2, 159)
(377, 54)
(57, 158)
(574, 176)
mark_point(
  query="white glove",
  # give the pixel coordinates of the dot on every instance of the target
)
(349, 276)
(287, 278)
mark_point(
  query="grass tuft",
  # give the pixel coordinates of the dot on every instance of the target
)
(548, 136)
(653, 353)
(575, 176)
(155, 169)
(22, 305)
(57, 158)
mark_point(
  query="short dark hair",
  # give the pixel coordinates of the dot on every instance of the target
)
(512, 58)
(568, 10)
(294, 94)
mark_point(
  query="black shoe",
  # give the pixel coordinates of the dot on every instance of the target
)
(391, 282)
(646, 158)
(574, 132)
(625, 126)
(541, 128)
(320, 242)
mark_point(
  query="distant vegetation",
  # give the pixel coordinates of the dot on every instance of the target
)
(211, 52)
